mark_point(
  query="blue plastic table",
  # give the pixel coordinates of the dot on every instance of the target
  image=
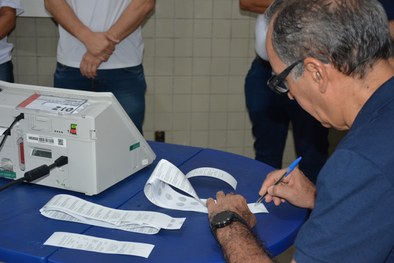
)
(23, 230)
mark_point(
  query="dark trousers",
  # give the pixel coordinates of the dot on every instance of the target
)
(271, 114)
(6, 71)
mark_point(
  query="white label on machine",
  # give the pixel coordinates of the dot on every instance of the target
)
(46, 140)
(53, 104)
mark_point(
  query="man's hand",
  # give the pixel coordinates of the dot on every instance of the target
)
(295, 188)
(89, 65)
(100, 44)
(231, 202)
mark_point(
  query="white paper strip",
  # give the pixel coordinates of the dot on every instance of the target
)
(101, 245)
(71, 208)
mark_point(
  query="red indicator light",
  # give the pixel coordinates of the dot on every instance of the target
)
(73, 128)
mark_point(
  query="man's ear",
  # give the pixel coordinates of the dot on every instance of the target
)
(317, 72)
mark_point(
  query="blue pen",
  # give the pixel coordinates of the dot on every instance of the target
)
(291, 167)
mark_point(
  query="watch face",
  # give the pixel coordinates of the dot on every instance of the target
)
(223, 219)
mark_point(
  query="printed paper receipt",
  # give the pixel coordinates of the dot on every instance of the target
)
(101, 245)
(159, 191)
(71, 208)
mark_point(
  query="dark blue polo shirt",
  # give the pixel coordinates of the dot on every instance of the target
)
(353, 220)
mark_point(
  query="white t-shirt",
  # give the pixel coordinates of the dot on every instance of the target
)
(261, 34)
(99, 16)
(5, 47)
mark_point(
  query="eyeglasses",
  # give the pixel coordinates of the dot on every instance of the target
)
(277, 83)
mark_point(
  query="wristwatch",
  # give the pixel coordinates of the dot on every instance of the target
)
(224, 219)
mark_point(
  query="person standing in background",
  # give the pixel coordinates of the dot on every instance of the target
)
(101, 48)
(9, 9)
(271, 114)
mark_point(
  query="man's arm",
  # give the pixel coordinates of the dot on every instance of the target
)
(237, 241)
(255, 6)
(131, 18)
(240, 245)
(7, 20)
(99, 44)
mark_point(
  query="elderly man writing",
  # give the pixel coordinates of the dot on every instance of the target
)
(332, 56)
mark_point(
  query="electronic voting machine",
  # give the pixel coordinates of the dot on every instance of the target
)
(92, 129)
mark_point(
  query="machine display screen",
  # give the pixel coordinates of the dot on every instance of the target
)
(41, 153)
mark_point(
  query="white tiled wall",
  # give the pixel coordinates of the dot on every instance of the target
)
(197, 53)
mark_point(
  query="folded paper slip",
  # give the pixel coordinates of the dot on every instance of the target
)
(159, 189)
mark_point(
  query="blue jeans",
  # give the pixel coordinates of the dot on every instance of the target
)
(271, 114)
(6, 71)
(127, 84)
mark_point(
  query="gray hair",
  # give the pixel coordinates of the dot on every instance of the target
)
(350, 34)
